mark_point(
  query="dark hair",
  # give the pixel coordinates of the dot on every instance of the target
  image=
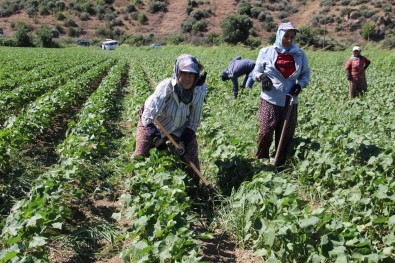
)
(224, 75)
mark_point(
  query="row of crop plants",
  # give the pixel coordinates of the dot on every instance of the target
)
(11, 102)
(47, 212)
(40, 114)
(25, 68)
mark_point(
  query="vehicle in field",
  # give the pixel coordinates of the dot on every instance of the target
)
(83, 42)
(156, 45)
(109, 45)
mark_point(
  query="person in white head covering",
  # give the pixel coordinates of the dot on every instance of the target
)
(177, 104)
(284, 72)
(355, 73)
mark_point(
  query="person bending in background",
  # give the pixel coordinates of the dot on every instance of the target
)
(355, 73)
(283, 71)
(237, 68)
(177, 104)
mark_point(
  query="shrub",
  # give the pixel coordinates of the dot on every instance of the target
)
(253, 43)
(72, 32)
(192, 3)
(23, 37)
(282, 15)
(156, 7)
(142, 18)
(244, 8)
(235, 28)
(345, 2)
(84, 17)
(131, 8)
(389, 42)
(89, 8)
(60, 16)
(60, 6)
(305, 36)
(138, 3)
(44, 37)
(9, 42)
(55, 33)
(199, 26)
(198, 14)
(137, 40)
(189, 9)
(269, 26)
(345, 11)
(214, 38)
(60, 29)
(265, 16)
(104, 32)
(175, 39)
(117, 22)
(368, 30)
(187, 25)
(70, 23)
(255, 11)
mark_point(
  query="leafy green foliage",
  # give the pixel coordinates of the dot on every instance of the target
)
(235, 28)
(333, 200)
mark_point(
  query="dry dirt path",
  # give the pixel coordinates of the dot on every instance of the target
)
(170, 22)
(220, 9)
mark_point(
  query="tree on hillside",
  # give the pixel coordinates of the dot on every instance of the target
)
(306, 36)
(235, 28)
(22, 36)
(44, 37)
(368, 30)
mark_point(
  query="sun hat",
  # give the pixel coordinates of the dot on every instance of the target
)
(356, 48)
(287, 26)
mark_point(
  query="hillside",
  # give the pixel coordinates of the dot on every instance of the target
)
(342, 20)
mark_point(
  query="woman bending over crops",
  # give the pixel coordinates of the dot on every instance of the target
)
(283, 71)
(176, 105)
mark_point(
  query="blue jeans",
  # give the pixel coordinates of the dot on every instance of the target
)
(250, 81)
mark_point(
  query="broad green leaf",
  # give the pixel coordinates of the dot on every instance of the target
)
(37, 241)
(307, 222)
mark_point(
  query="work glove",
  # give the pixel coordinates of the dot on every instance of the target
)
(202, 79)
(159, 143)
(180, 151)
(152, 131)
(265, 80)
(296, 89)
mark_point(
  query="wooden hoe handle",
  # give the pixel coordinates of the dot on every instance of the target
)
(186, 159)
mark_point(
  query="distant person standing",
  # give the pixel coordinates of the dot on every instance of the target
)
(355, 72)
(237, 68)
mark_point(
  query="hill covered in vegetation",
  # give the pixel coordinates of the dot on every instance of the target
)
(324, 23)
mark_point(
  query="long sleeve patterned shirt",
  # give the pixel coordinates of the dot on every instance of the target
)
(165, 106)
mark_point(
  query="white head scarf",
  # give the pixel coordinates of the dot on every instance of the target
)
(282, 29)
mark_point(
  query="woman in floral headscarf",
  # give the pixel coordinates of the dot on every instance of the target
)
(177, 104)
(283, 71)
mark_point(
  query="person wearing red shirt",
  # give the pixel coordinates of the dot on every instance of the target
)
(355, 72)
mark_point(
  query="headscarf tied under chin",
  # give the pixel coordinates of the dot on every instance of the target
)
(185, 63)
(282, 29)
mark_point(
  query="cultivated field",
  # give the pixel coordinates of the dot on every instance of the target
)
(69, 193)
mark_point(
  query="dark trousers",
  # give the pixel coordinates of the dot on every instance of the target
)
(271, 120)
